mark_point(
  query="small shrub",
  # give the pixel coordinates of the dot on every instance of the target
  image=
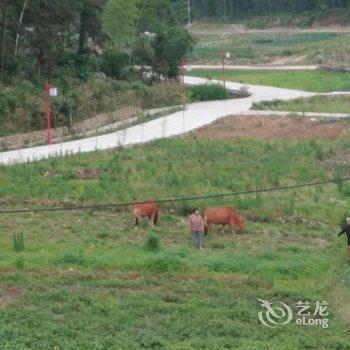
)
(18, 242)
(102, 235)
(71, 258)
(207, 92)
(290, 208)
(20, 262)
(149, 340)
(165, 263)
(152, 242)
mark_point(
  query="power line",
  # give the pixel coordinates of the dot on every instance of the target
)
(171, 200)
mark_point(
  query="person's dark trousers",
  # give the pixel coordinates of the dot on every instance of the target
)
(197, 238)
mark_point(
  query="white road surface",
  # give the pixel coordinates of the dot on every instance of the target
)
(195, 116)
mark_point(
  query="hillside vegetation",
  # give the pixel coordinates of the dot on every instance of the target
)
(86, 279)
(94, 52)
(265, 13)
(273, 48)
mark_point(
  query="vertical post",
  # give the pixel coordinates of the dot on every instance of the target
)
(3, 37)
(183, 87)
(189, 11)
(142, 131)
(48, 112)
(223, 68)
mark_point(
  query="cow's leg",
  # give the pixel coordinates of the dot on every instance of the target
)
(222, 228)
(136, 222)
(150, 219)
(208, 228)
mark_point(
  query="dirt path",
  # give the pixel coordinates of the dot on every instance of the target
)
(226, 29)
(273, 128)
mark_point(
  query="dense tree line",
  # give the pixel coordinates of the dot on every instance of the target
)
(233, 9)
(40, 38)
(95, 51)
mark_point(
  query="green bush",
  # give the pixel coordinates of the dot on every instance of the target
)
(152, 241)
(22, 108)
(18, 242)
(207, 92)
(19, 263)
(112, 64)
(165, 263)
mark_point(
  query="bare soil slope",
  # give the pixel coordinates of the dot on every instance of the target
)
(269, 128)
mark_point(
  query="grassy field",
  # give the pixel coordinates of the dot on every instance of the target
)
(88, 280)
(322, 104)
(305, 19)
(315, 81)
(299, 48)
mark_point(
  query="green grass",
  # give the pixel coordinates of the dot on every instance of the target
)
(315, 81)
(322, 104)
(133, 173)
(308, 48)
(297, 19)
(87, 279)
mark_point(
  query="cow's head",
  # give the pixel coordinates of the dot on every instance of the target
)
(240, 223)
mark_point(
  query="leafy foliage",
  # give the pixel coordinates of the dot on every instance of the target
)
(152, 241)
(236, 9)
(170, 46)
(207, 92)
(80, 44)
(118, 20)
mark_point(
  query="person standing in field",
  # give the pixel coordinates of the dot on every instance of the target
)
(196, 227)
(346, 229)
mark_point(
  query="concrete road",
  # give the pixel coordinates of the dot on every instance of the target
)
(195, 116)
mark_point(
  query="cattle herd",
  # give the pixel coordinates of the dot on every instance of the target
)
(212, 216)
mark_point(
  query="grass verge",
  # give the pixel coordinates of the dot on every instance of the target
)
(322, 104)
(314, 81)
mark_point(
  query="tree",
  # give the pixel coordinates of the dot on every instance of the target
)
(90, 25)
(118, 21)
(156, 15)
(170, 47)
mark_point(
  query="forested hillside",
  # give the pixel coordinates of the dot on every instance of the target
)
(88, 48)
(236, 9)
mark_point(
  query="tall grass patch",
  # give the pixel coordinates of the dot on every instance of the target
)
(207, 92)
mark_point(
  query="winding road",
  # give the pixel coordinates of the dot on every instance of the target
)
(195, 116)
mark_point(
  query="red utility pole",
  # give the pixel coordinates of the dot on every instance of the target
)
(48, 112)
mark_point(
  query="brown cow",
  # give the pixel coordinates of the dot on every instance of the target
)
(223, 216)
(148, 208)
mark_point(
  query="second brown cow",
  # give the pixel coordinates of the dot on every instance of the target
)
(223, 216)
